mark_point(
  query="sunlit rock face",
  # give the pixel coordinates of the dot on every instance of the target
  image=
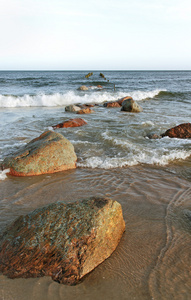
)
(48, 153)
(64, 241)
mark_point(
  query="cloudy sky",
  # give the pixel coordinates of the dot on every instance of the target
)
(95, 34)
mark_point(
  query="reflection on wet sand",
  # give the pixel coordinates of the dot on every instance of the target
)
(152, 260)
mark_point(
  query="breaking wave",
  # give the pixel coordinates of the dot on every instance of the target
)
(133, 160)
(71, 97)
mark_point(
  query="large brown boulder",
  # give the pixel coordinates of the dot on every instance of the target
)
(131, 106)
(182, 131)
(49, 153)
(71, 123)
(64, 241)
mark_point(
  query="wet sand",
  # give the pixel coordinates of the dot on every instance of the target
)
(153, 258)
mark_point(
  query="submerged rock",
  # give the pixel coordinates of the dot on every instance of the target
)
(131, 106)
(64, 241)
(72, 108)
(182, 131)
(85, 111)
(153, 136)
(71, 123)
(48, 153)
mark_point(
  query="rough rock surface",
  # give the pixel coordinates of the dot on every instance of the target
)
(131, 106)
(112, 104)
(85, 111)
(65, 241)
(182, 131)
(83, 88)
(71, 123)
(72, 108)
(120, 101)
(48, 153)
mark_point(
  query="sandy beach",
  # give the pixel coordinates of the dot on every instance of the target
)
(152, 260)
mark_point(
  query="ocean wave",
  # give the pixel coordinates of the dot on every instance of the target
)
(173, 95)
(71, 97)
(149, 158)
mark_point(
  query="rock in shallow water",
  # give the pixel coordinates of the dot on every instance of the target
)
(48, 153)
(71, 123)
(131, 106)
(182, 131)
(72, 108)
(85, 111)
(64, 241)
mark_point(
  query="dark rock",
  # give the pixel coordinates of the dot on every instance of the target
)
(131, 106)
(49, 153)
(101, 75)
(64, 241)
(71, 123)
(89, 74)
(120, 101)
(182, 131)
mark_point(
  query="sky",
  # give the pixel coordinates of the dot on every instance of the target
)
(95, 35)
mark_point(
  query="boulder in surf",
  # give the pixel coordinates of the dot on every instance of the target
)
(182, 131)
(130, 105)
(48, 153)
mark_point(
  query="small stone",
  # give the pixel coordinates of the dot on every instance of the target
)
(83, 88)
(72, 108)
(153, 136)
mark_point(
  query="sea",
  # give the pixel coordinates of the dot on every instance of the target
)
(150, 178)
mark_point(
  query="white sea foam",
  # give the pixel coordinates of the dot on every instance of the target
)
(134, 154)
(3, 174)
(147, 123)
(71, 97)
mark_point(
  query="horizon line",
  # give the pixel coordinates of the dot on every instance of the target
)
(95, 70)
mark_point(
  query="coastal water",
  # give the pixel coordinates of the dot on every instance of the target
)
(150, 178)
